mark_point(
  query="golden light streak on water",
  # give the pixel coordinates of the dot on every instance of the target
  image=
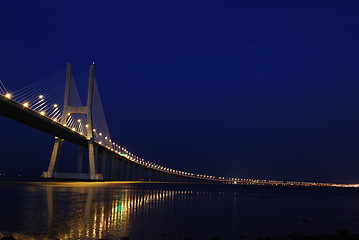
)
(95, 212)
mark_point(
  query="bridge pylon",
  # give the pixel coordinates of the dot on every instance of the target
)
(67, 110)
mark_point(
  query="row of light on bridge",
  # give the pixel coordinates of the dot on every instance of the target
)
(55, 115)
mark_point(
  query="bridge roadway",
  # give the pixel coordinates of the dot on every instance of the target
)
(111, 165)
(114, 166)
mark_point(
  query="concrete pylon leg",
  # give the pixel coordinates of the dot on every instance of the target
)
(92, 169)
(103, 163)
(87, 110)
(54, 158)
(113, 168)
(127, 171)
(131, 172)
(80, 158)
(97, 163)
(122, 169)
(116, 168)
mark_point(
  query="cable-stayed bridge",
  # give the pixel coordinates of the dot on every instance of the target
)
(54, 106)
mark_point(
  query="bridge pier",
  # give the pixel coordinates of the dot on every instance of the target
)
(104, 163)
(128, 173)
(96, 159)
(145, 174)
(112, 167)
(67, 110)
(152, 174)
(54, 158)
(80, 158)
(122, 170)
(133, 172)
(115, 166)
(142, 174)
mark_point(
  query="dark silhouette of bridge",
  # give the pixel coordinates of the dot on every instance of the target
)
(106, 160)
(79, 124)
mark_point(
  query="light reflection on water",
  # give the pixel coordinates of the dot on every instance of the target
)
(104, 214)
(34, 210)
(84, 210)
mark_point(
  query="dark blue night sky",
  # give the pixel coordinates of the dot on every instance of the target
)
(264, 89)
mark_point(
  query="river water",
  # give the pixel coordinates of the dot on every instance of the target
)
(113, 210)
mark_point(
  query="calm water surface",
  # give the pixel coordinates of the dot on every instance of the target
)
(83, 210)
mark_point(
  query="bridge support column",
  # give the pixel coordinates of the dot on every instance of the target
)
(133, 172)
(92, 169)
(117, 167)
(121, 165)
(150, 174)
(112, 162)
(67, 110)
(54, 159)
(104, 163)
(111, 166)
(128, 171)
(147, 174)
(97, 160)
(154, 176)
(140, 173)
(80, 158)
(122, 169)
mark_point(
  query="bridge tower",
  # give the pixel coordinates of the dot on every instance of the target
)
(68, 109)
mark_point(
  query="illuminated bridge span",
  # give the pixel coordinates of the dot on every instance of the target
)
(55, 107)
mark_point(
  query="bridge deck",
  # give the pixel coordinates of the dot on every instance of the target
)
(24, 115)
(21, 114)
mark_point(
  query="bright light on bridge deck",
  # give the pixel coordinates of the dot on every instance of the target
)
(73, 129)
(41, 96)
(78, 120)
(8, 95)
(55, 105)
(42, 113)
(25, 104)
